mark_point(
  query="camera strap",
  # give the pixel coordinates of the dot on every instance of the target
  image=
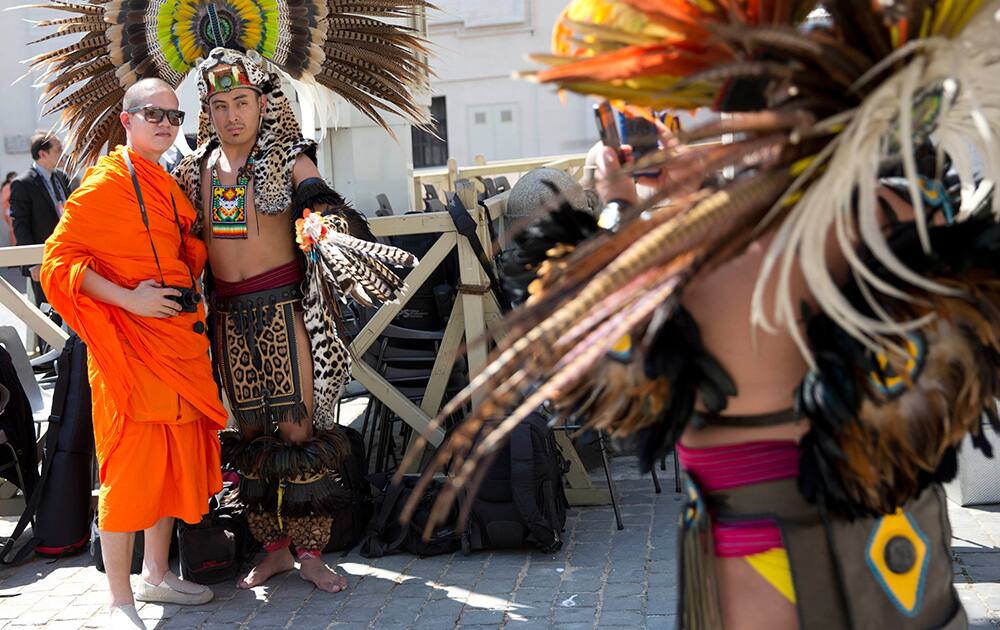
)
(145, 222)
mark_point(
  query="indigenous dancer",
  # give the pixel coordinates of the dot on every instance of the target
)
(280, 360)
(123, 273)
(817, 333)
(277, 352)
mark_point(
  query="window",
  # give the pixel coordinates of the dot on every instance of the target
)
(432, 149)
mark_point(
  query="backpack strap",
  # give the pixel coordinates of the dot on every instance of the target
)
(377, 527)
(64, 365)
(466, 226)
(523, 486)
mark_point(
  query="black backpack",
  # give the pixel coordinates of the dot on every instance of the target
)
(521, 500)
(350, 525)
(61, 499)
(17, 423)
(387, 535)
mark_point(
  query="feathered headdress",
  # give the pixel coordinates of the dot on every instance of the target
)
(822, 97)
(340, 45)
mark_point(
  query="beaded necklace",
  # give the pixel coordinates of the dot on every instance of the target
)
(229, 209)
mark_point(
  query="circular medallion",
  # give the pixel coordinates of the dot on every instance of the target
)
(900, 555)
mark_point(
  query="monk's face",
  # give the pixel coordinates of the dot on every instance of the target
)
(236, 115)
(144, 135)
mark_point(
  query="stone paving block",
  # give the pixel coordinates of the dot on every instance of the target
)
(396, 562)
(535, 595)
(534, 612)
(357, 614)
(51, 602)
(623, 589)
(663, 602)
(443, 607)
(372, 584)
(271, 619)
(495, 586)
(658, 622)
(396, 617)
(230, 615)
(626, 602)
(33, 618)
(481, 617)
(625, 576)
(629, 618)
(185, 620)
(542, 578)
(276, 603)
(566, 601)
(574, 615)
(77, 613)
(435, 622)
(311, 620)
(592, 535)
(359, 600)
(572, 626)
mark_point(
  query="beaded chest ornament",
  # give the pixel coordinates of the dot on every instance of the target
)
(229, 208)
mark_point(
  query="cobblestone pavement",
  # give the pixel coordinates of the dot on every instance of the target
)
(601, 578)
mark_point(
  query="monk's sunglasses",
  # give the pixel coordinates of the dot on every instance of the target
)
(155, 114)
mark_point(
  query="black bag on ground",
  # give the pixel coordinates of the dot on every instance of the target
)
(521, 500)
(137, 548)
(214, 550)
(387, 535)
(98, 556)
(349, 525)
(17, 423)
(61, 500)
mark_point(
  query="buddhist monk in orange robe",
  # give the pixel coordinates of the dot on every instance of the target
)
(156, 408)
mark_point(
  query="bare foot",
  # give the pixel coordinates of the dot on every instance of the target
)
(325, 578)
(276, 562)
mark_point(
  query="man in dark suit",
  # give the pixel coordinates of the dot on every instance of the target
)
(37, 198)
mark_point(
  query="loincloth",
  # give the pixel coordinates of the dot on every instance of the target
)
(758, 541)
(743, 501)
(256, 347)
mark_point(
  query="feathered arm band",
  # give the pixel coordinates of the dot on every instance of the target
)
(338, 263)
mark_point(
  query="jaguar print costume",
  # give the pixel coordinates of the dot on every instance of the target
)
(279, 143)
(293, 490)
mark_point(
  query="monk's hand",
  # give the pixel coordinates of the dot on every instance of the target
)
(149, 299)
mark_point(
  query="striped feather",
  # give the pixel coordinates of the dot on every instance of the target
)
(378, 251)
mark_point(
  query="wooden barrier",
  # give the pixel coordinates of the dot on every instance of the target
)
(446, 178)
(475, 319)
(18, 304)
(475, 313)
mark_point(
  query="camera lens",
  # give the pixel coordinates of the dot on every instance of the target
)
(190, 298)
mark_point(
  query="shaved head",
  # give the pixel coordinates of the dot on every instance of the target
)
(141, 92)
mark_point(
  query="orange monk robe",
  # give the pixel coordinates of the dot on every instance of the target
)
(156, 407)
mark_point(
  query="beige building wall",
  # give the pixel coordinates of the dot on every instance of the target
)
(478, 45)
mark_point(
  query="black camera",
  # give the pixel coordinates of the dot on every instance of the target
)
(188, 298)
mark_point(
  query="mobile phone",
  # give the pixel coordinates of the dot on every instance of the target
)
(641, 134)
(607, 126)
